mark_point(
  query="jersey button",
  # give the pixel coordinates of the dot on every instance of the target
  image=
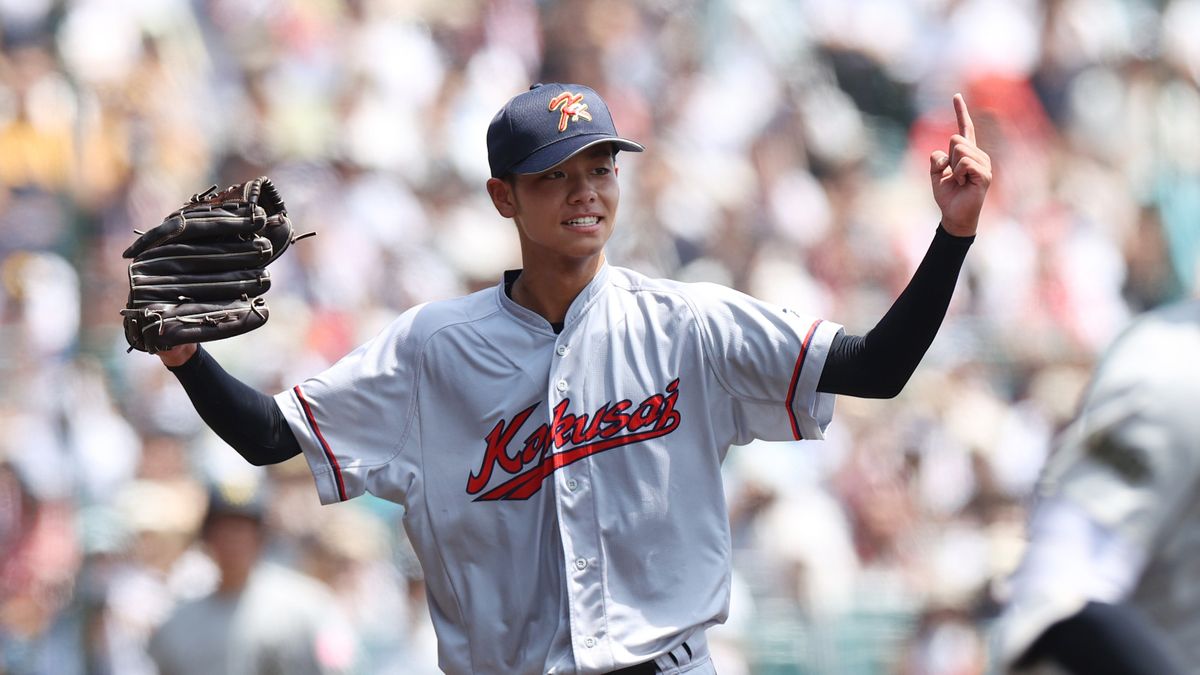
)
(572, 484)
(561, 350)
(561, 385)
(589, 642)
(580, 564)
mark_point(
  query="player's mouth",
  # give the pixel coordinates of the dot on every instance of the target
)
(584, 223)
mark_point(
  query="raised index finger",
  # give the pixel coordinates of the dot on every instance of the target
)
(966, 127)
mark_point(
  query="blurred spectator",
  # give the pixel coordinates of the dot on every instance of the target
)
(261, 617)
(347, 548)
(38, 560)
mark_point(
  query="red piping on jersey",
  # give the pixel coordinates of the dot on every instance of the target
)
(791, 395)
(312, 422)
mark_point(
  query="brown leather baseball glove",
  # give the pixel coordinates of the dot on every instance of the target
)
(201, 273)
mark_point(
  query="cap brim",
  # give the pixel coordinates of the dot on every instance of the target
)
(557, 153)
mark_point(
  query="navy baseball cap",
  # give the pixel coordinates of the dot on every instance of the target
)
(544, 126)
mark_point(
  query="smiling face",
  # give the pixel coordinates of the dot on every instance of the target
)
(565, 214)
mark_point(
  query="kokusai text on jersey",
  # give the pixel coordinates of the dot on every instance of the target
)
(654, 417)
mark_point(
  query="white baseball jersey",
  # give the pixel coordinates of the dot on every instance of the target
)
(1119, 518)
(563, 491)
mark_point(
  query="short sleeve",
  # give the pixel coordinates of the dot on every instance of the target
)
(356, 416)
(769, 359)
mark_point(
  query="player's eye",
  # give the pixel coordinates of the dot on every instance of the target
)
(554, 175)
(602, 171)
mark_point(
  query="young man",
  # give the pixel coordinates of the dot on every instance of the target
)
(557, 440)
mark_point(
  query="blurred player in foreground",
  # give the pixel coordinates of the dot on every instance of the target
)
(1110, 582)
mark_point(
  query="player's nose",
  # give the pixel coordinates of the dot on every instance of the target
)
(582, 191)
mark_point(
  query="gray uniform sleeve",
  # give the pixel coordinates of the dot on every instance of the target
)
(355, 418)
(769, 360)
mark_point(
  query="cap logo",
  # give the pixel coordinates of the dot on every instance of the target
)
(570, 107)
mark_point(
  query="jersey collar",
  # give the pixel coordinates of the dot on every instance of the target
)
(534, 320)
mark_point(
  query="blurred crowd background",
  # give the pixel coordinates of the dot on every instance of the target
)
(787, 145)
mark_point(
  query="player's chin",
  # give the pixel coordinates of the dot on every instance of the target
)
(582, 246)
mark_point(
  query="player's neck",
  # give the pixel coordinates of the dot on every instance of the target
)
(549, 287)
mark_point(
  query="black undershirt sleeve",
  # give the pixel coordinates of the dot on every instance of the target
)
(245, 418)
(878, 364)
(1104, 639)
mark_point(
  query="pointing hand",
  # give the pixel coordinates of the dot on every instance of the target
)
(961, 178)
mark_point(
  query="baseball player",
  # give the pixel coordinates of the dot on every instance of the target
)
(1110, 582)
(556, 440)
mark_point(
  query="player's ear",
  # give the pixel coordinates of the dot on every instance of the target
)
(503, 197)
